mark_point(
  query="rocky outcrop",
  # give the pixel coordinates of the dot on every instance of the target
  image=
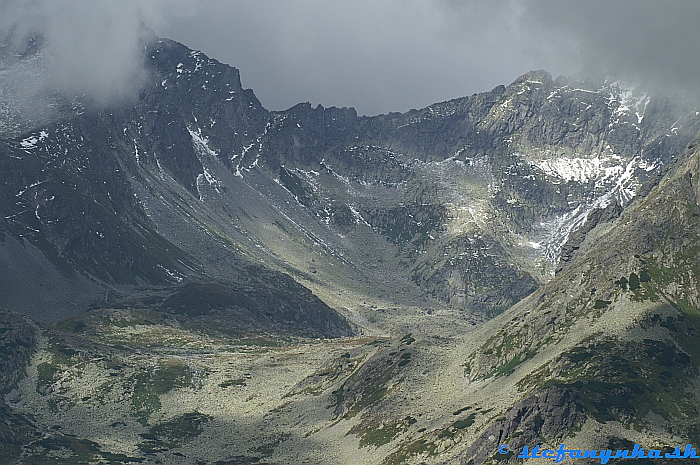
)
(474, 273)
(290, 309)
(593, 219)
(548, 415)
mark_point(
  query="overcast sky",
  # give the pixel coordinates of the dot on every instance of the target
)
(375, 55)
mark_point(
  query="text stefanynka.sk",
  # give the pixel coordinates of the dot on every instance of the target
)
(604, 455)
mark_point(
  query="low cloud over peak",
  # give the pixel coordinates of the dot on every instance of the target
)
(91, 47)
(375, 56)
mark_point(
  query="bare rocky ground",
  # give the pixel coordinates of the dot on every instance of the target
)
(141, 391)
(141, 387)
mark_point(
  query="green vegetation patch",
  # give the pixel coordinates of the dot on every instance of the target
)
(625, 381)
(61, 352)
(463, 409)
(458, 425)
(634, 282)
(412, 449)
(71, 325)
(622, 282)
(57, 449)
(371, 394)
(328, 374)
(376, 435)
(500, 347)
(150, 383)
(373, 434)
(580, 354)
(173, 433)
(233, 382)
(46, 375)
(510, 366)
(61, 357)
(369, 386)
(268, 447)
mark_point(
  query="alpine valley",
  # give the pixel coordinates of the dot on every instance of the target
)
(189, 278)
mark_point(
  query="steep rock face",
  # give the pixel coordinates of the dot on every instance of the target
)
(194, 91)
(303, 135)
(550, 414)
(71, 200)
(595, 217)
(474, 272)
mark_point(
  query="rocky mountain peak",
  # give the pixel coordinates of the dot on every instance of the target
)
(190, 244)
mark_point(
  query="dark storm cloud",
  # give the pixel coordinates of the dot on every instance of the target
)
(378, 56)
(652, 41)
(398, 54)
(374, 55)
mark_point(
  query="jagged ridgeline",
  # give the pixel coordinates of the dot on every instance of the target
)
(467, 202)
(198, 259)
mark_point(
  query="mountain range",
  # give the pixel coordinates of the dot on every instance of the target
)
(191, 278)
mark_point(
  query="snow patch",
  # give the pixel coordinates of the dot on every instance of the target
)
(628, 100)
(207, 177)
(172, 274)
(577, 169)
(201, 143)
(29, 143)
(213, 182)
(136, 149)
(358, 217)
